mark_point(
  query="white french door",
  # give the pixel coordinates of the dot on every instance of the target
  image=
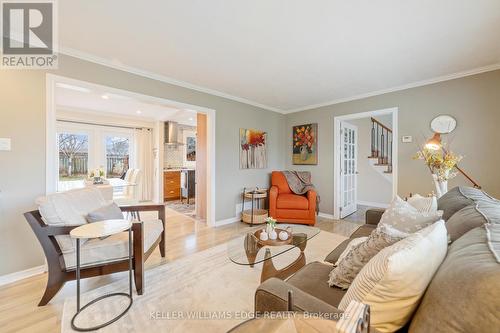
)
(83, 147)
(348, 168)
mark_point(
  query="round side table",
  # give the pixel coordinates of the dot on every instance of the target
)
(255, 215)
(96, 230)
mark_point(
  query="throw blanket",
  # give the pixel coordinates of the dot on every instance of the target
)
(300, 183)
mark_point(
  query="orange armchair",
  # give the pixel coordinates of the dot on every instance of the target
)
(285, 206)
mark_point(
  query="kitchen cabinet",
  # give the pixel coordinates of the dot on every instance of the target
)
(171, 185)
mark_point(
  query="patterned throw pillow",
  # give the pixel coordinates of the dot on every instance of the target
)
(352, 244)
(406, 218)
(347, 268)
(424, 204)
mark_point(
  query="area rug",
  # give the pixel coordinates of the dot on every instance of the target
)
(183, 208)
(204, 292)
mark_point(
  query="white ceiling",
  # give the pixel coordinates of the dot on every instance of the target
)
(283, 54)
(96, 99)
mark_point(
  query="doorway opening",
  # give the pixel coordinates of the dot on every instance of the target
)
(100, 132)
(365, 162)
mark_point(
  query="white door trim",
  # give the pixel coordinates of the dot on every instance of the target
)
(50, 145)
(336, 151)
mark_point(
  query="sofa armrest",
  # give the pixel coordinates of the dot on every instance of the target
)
(311, 197)
(373, 215)
(272, 295)
(273, 197)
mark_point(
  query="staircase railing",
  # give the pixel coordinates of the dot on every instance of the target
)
(381, 147)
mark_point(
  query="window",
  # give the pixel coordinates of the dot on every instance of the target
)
(73, 159)
(117, 155)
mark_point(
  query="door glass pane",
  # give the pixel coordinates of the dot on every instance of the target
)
(73, 160)
(117, 156)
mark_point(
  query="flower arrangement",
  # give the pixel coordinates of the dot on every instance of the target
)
(440, 162)
(271, 222)
(97, 172)
(304, 136)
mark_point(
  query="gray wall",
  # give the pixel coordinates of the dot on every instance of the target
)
(474, 101)
(22, 170)
(372, 186)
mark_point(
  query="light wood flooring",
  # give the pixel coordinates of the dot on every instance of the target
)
(18, 301)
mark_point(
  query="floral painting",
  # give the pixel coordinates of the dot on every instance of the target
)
(305, 144)
(253, 149)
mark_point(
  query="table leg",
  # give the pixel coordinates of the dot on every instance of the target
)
(78, 275)
(269, 271)
(130, 262)
(251, 219)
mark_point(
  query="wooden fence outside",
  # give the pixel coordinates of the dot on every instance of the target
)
(115, 164)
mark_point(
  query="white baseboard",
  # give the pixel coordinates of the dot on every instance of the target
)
(16, 276)
(373, 204)
(227, 221)
(325, 215)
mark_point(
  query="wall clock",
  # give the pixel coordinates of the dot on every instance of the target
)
(443, 124)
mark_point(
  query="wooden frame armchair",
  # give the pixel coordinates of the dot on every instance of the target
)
(59, 275)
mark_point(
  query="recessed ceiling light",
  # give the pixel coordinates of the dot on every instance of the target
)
(105, 97)
(190, 119)
(72, 87)
(138, 111)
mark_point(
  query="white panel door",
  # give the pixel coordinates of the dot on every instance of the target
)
(348, 168)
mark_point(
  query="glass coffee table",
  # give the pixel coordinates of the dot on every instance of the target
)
(248, 250)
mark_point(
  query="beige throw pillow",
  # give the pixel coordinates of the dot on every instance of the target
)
(406, 218)
(424, 204)
(351, 264)
(393, 281)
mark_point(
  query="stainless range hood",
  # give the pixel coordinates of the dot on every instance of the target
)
(171, 131)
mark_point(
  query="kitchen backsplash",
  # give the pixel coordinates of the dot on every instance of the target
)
(174, 153)
(173, 156)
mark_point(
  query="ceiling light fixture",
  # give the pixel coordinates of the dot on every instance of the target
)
(105, 97)
(190, 119)
(138, 111)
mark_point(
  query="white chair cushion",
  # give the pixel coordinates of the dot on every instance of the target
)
(69, 209)
(113, 248)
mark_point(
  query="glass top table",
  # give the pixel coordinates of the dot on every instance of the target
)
(247, 250)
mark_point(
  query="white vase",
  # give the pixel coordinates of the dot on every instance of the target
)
(441, 186)
(283, 235)
(273, 235)
(263, 236)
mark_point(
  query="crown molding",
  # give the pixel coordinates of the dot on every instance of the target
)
(150, 75)
(109, 63)
(399, 88)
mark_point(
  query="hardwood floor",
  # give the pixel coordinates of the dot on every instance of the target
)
(184, 236)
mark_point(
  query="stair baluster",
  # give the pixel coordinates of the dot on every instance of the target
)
(381, 144)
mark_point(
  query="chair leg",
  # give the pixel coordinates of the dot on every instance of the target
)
(138, 234)
(161, 245)
(54, 284)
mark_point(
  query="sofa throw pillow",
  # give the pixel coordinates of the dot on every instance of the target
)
(393, 281)
(348, 267)
(472, 216)
(406, 218)
(423, 204)
(459, 197)
(109, 212)
(349, 248)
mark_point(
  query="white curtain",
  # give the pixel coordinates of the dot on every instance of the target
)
(145, 159)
